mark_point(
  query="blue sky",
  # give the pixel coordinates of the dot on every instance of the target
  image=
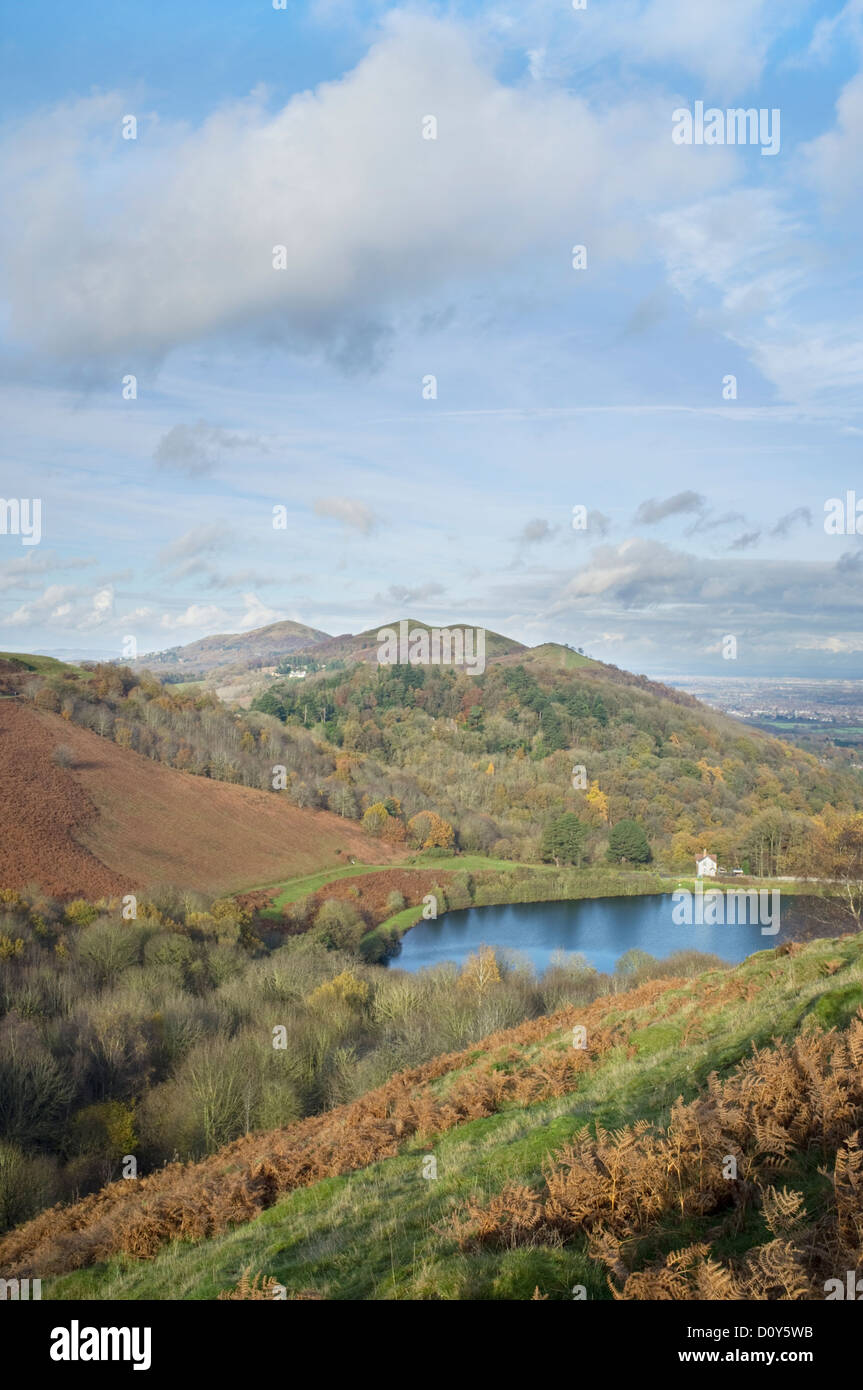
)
(408, 258)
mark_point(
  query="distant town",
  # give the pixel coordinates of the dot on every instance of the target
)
(816, 714)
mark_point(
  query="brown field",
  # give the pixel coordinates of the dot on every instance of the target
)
(116, 822)
(370, 891)
(367, 892)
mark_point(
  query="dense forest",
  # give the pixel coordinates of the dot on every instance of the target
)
(487, 764)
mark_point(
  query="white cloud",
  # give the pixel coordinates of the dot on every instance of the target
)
(67, 607)
(833, 162)
(838, 646)
(370, 213)
(257, 614)
(350, 512)
(738, 260)
(197, 615)
(53, 603)
(846, 26)
(726, 45)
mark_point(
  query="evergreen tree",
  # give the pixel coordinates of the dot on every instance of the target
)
(563, 839)
(628, 841)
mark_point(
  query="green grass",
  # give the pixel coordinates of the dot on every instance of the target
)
(383, 1232)
(553, 654)
(291, 890)
(46, 665)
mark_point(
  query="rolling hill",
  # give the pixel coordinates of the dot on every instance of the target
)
(235, 652)
(554, 1167)
(363, 646)
(112, 821)
(263, 646)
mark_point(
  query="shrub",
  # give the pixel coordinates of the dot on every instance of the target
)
(343, 989)
(338, 925)
(27, 1183)
(81, 913)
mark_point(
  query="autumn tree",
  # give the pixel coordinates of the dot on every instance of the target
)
(597, 801)
(480, 972)
(343, 989)
(428, 830)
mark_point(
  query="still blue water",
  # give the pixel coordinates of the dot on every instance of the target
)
(602, 929)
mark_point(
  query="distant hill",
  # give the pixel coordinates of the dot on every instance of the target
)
(364, 646)
(20, 663)
(105, 820)
(232, 653)
(225, 657)
(261, 646)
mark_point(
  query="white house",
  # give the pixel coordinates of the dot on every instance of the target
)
(705, 867)
(296, 675)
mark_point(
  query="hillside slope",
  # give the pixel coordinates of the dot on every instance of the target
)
(115, 821)
(262, 644)
(363, 647)
(530, 1189)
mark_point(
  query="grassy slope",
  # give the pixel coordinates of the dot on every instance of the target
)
(553, 654)
(383, 1232)
(46, 665)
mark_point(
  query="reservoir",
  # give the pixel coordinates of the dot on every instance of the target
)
(601, 929)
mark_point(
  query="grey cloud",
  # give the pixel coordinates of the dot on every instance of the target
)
(647, 314)
(201, 540)
(18, 572)
(680, 604)
(237, 578)
(713, 523)
(655, 510)
(785, 523)
(198, 449)
(746, 541)
(536, 530)
(851, 561)
(598, 521)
